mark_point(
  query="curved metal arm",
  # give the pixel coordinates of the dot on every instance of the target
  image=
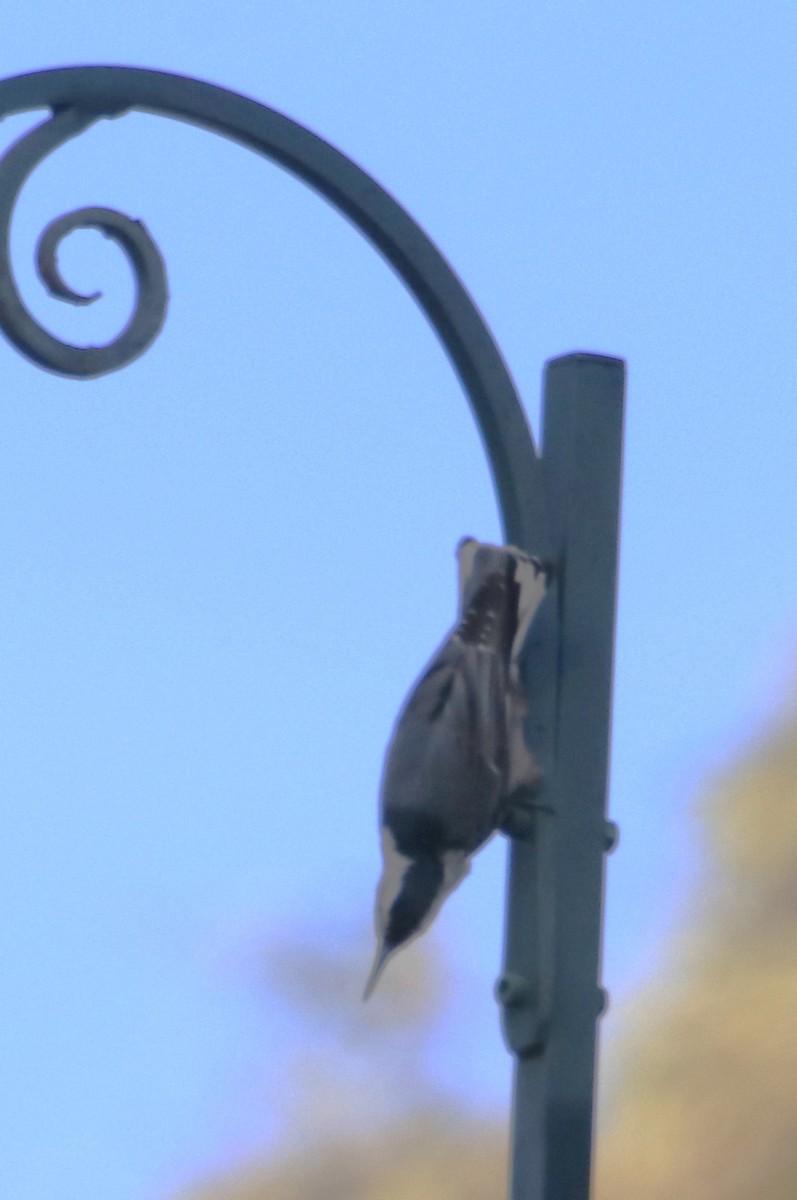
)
(78, 96)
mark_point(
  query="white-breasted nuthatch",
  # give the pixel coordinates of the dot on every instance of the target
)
(457, 763)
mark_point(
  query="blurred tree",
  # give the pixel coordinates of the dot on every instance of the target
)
(363, 1116)
(705, 1100)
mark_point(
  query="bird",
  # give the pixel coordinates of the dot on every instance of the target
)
(457, 764)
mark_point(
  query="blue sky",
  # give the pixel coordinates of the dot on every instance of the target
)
(225, 564)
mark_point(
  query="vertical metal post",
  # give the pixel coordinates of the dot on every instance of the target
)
(550, 988)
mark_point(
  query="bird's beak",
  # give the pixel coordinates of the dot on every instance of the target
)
(382, 955)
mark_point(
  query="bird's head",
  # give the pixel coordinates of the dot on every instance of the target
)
(409, 897)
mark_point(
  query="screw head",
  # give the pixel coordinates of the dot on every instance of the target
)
(611, 836)
(512, 990)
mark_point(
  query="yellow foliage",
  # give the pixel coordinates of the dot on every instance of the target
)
(706, 1100)
(428, 1157)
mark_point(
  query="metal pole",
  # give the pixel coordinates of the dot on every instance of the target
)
(550, 988)
(562, 507)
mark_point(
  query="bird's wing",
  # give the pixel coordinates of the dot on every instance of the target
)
(448, 750)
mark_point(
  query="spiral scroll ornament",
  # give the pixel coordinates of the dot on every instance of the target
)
(17, 322)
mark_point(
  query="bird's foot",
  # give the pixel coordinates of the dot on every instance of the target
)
(520, 812)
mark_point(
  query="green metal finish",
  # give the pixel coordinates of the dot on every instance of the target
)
(78, 96)
(145, 259)
(555, 888)
(562, 507)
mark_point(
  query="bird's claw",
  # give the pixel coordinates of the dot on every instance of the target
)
(520, 815)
